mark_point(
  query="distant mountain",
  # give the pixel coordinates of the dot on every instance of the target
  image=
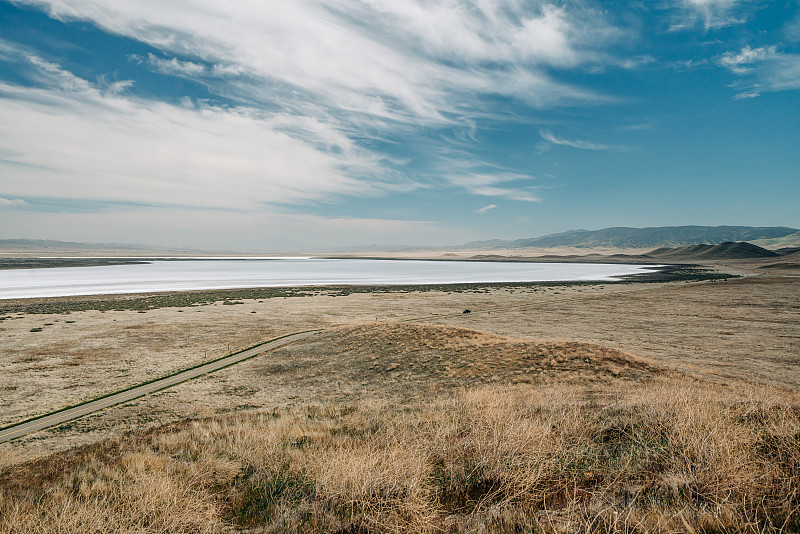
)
(51, 245)
(723, 251)
(358, 249)
(662, 236)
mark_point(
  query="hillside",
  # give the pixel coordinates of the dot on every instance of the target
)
(664, 236)
(438, 429)
(723, 251)
(787, 241)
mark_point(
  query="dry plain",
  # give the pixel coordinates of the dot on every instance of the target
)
(403, 347)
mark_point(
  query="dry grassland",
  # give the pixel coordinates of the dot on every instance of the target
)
(648, 408)
(735, 330)
(629, 448)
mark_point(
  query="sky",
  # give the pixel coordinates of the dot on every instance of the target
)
(306, 125)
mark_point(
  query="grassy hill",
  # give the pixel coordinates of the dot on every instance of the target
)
(787, 241)
(723, 251)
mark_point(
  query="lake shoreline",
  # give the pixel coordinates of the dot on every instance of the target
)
(165, 275)
(152, 300)
(17, 263)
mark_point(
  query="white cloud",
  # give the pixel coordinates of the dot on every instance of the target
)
(712, 13)
(120, 86)
(313, 79)
(414, 61)
(493, 184)
(171, 66)
(10, 51)
(739, 62)
(763, 69)
(549, 137)
(753, 93)
(70, 139)
(486, 208)
(638, 126)
(12, 202)
(782, 73)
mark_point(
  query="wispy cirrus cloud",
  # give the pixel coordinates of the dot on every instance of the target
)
(552, 139)
(170, 65)
(189, 175)
(105, 145)
(320, 78)
(486, 208)
(307, 97)
(404, 61)
(740, 62)
(712, 14)
(791, 29)
(762, 69)
(495, 184)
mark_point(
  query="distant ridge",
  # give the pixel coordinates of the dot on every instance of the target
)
(45, 245)
(723, 251)
(624, 237)
(785, 242)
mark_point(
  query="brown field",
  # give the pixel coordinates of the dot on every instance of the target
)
(668, 407)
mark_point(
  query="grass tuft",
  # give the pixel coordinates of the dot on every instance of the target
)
(259, 496)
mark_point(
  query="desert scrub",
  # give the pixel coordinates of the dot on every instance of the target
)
(670, 456)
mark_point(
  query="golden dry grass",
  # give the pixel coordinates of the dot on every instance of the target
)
(669, 457)
(584, 439)
(392, 357)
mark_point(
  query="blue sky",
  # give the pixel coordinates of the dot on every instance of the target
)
(298, 124)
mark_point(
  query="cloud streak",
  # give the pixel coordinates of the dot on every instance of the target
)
(305, 83)
(713, 14)
(172, 65)
(494, 184)
(762, 69)
(407, 61)
(739, 62)
(549, 137)
(103, 145)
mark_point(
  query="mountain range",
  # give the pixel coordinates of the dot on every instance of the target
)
(772, 237)
(653, 237)
(54, 246)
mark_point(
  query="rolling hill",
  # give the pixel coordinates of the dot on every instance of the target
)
(723, 251)
(785, 242)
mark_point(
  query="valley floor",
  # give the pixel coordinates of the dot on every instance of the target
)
(671, 406)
